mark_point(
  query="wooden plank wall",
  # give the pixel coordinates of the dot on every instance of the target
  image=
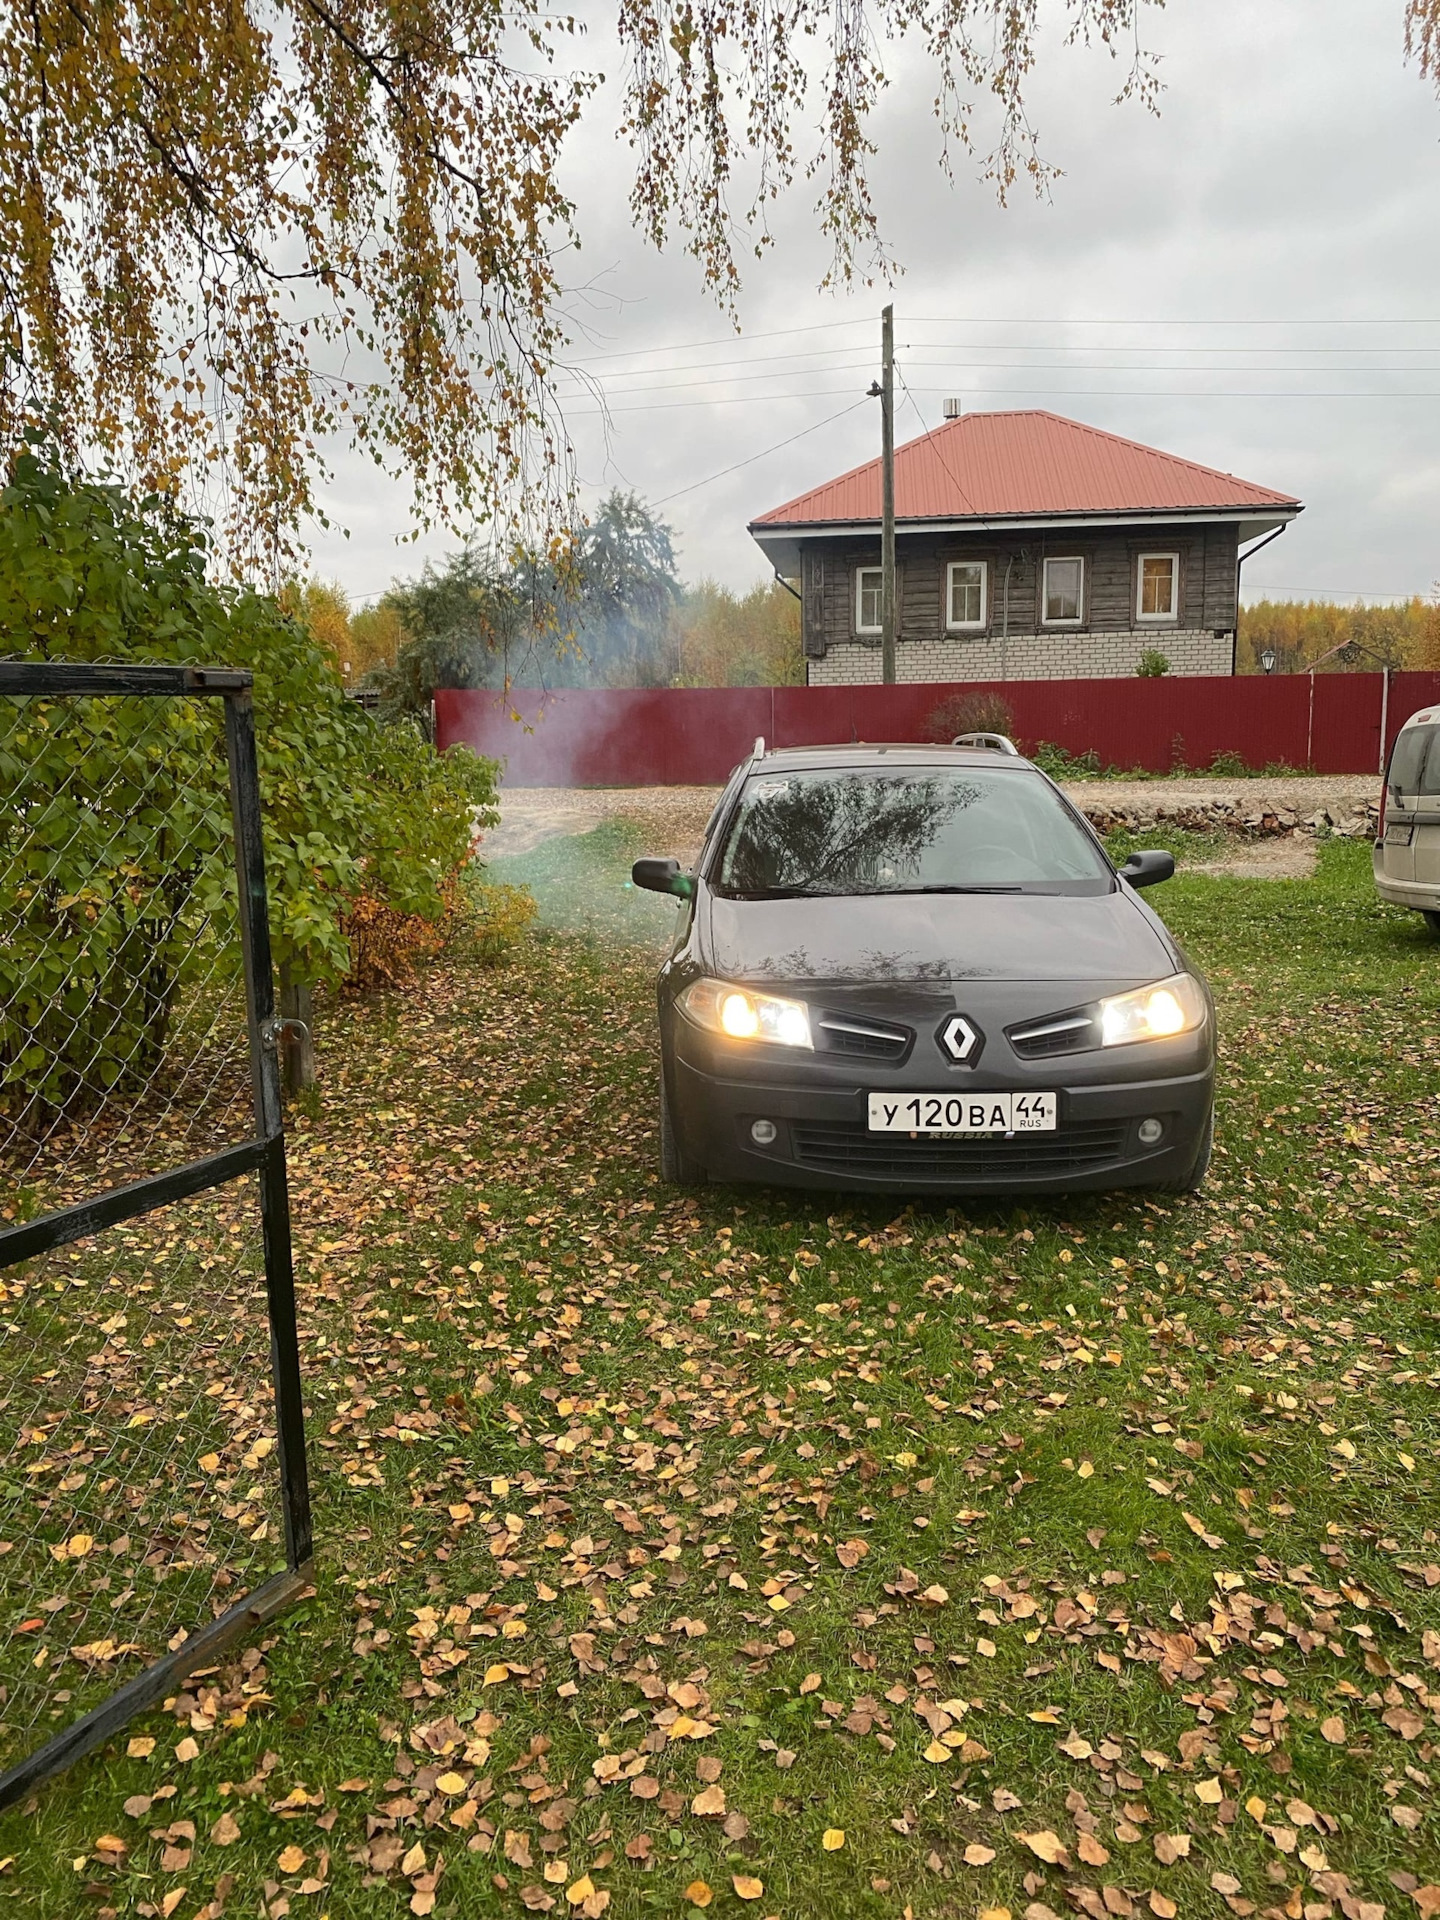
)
(1207, 579)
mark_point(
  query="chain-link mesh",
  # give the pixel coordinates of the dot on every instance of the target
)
(139, 1496)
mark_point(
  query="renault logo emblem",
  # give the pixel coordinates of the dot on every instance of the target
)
(959, 1039)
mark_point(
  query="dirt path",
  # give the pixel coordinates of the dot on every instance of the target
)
(673, 819)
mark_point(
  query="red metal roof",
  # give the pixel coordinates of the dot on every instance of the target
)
(1008, 465)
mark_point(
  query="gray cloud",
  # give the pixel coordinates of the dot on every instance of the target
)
(1291, 178)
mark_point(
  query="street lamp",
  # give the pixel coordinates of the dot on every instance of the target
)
(1268, 659)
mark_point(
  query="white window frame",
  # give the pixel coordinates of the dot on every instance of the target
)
(860, 573)
(1157, 619)
(967, 626)
(1055, 560)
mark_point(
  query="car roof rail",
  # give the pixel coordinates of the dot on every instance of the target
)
(996, 742)
(757, 752)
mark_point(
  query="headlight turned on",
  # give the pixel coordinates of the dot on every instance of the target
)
(1156, 1012)
(740, 1014)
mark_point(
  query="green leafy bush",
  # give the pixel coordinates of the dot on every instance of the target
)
(115, 843)
(1061, 764)
(1152, 665)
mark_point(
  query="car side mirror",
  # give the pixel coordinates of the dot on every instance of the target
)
(1149, 868)
(662, 876)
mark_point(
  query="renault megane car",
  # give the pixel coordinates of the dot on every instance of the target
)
(915, 968)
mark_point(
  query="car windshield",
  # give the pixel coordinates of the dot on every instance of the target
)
(927, 830)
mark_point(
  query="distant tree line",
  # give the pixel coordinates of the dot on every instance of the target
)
(605, 609)
(1299, 632)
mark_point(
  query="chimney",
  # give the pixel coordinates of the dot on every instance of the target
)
(952, 409)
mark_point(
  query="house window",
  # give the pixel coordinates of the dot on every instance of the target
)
(1157, 594)
(1064, 592)
(867, 599)
(967, 587)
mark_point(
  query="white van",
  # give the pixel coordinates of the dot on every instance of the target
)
(1407, 848)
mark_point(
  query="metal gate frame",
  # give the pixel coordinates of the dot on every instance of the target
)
(264, 1153)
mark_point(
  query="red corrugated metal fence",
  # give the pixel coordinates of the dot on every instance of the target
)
(693, 736)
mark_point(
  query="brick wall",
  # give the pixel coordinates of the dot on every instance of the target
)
(1024, 656)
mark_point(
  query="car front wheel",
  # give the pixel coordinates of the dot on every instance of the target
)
(1432, 921)
(677, 1169)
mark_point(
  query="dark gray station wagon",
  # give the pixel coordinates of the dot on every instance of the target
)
(915, 968)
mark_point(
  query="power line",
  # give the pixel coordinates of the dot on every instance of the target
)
(649, 372)
(1003, 393)
(654, 377)
(752, 458)
(992, 320)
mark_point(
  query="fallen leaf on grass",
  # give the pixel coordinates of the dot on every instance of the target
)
(226, 1830)
(977, 1854)
(710, 1800)
(292, 1859)
(1091, 1851)
(1046, 1846)
(1332, 1728)
(1202, 1533)
(1170, 1847)
(698, 1894)
(746, 1886)
(833, 1839)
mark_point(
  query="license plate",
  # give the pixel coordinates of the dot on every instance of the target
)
(963, 1112)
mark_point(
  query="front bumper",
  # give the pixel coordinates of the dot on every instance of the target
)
(819, 1111)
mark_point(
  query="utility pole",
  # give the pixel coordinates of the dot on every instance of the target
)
(887, 496)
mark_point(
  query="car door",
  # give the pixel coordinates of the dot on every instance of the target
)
(1397, 850)
(1425, 846)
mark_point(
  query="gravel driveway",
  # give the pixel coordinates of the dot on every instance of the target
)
(673, 818)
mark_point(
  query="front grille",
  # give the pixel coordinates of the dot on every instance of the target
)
(1067, 1034)
(854, 1149)
(870, 1039)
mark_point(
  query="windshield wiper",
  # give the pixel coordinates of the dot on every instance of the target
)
(1015, 889)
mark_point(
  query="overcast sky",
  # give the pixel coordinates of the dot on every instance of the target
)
(1245, 281)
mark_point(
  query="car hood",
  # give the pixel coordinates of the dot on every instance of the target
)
(1110, 938)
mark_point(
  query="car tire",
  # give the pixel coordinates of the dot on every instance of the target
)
(677, 1169)
(1194, 1180)
(1432, 920)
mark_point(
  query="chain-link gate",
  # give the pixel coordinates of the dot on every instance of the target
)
(154, 1503)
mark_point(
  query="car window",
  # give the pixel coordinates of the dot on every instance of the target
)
(1415, 763)
(858, 831)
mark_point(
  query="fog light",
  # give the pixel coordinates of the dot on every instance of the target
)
(763, 1132)
(1150, 1131)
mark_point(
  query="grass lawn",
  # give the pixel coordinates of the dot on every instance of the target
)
(776, 1554)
